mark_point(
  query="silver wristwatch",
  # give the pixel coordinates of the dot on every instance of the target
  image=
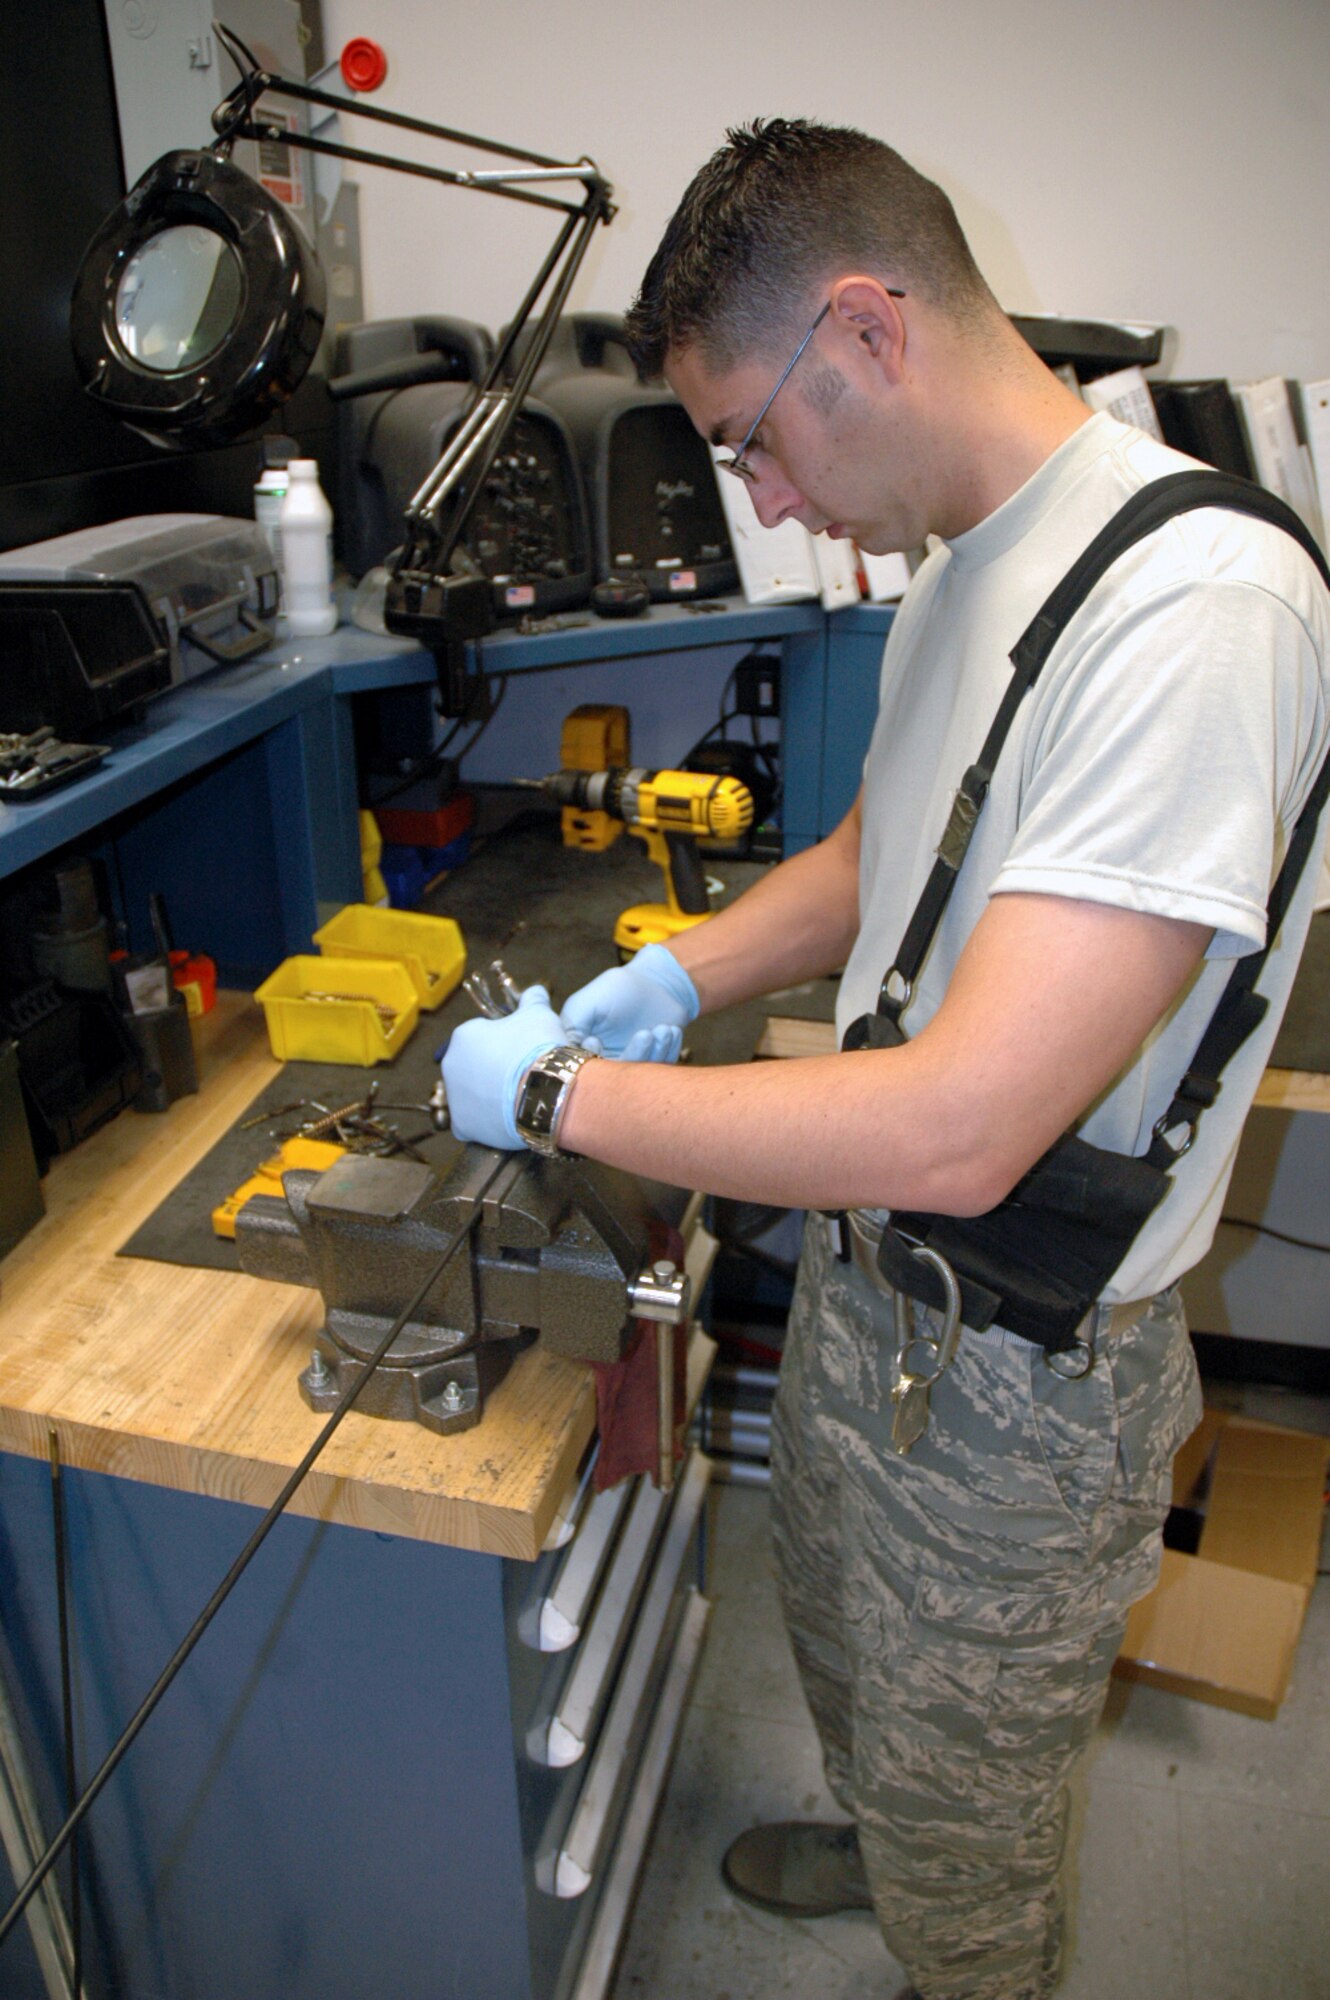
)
(542, 1097)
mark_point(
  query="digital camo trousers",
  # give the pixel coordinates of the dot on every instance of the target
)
(955, 1614)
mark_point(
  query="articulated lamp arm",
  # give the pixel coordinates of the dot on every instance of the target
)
(425, 600)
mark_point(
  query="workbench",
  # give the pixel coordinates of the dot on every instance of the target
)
(338, 1795)
(348, 1755)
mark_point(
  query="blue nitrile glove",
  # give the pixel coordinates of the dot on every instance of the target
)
(636, 1011)
(486, 1060)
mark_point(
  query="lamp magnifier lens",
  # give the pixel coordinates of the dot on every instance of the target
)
(178, 299)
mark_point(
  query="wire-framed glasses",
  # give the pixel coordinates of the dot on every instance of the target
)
(737, 463)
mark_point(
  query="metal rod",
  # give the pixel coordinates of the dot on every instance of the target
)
(254, 128)
(572, 245)
(67, 1707)
(237, 1569)
(665, 1401)
(744, 1377)
(499, 365)
(265, 80)
(513, 176)
(430, 545)
(466, 440)
(21, 1838)
(738, 1423)
(740, 1472)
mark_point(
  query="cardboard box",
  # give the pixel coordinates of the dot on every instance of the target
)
(1222, 1625)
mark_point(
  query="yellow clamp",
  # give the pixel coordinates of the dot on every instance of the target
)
(315, 1154)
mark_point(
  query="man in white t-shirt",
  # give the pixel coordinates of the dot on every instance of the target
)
(955, 1610)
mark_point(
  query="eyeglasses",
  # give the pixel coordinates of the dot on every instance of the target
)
(738, 462)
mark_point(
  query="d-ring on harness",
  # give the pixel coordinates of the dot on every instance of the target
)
(1037, 1265)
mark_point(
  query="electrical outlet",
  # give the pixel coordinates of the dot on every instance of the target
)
(757, 685)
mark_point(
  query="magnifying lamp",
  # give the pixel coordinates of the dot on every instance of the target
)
(199, 306)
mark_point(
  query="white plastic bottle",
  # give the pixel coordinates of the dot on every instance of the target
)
(306, 526)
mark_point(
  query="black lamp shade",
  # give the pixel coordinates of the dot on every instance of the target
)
(198, 306)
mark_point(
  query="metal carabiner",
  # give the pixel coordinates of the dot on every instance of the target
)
(942, 1349)
(949, 1336)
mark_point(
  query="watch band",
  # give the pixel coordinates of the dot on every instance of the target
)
(542, 1097)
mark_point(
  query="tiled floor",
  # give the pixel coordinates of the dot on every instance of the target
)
(1200, 1851)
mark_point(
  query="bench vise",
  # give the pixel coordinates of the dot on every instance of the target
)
(559, 1253)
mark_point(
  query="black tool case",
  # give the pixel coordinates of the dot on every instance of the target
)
(95, 623)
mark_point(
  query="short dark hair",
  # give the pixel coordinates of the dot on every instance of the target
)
(780, 207)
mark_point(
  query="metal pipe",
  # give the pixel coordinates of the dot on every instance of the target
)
(264, 133)
(738, 1423)
(67, 1706)
(741, 1471)
(21, 1838)
(470, 434)
(745, 1378)
(665, 1403)
(259, 81)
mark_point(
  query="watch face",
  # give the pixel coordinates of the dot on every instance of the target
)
(538, 1103)
(539, 1099)
(542, 1094)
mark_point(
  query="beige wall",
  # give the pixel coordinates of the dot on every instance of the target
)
(1164, 160)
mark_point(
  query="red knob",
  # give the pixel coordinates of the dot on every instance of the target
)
(364, 65)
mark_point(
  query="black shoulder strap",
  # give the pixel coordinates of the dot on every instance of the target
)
(1150, 508)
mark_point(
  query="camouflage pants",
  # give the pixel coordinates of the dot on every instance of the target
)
(955, 1614)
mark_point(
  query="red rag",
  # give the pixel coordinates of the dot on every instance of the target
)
(627, 1396)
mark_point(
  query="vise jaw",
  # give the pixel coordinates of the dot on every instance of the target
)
(559, 1253)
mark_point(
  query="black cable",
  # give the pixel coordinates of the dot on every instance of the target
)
(233, 1575)
(496, 687)
(725, 716)
(67, 1710)
(765, 751)
(1280, 1235)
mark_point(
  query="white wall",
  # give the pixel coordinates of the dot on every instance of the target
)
(1164, 160)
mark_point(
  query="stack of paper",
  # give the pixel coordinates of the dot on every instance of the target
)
(783, 564)
(1126, 395)
(1280, 460)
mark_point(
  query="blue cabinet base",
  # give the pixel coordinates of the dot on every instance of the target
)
(325, 1806)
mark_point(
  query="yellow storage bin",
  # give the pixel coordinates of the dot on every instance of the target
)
(431, 948)
(347, 1010)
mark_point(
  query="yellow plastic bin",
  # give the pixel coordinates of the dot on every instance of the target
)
(431, 948)
(347, 1010)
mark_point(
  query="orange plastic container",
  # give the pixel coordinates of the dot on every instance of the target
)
(196, 976)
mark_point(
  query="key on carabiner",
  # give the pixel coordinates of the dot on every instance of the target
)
(910, 1417)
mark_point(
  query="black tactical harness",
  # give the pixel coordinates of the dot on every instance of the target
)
(1040, 1260)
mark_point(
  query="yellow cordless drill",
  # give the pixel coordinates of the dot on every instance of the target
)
(670, 811)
